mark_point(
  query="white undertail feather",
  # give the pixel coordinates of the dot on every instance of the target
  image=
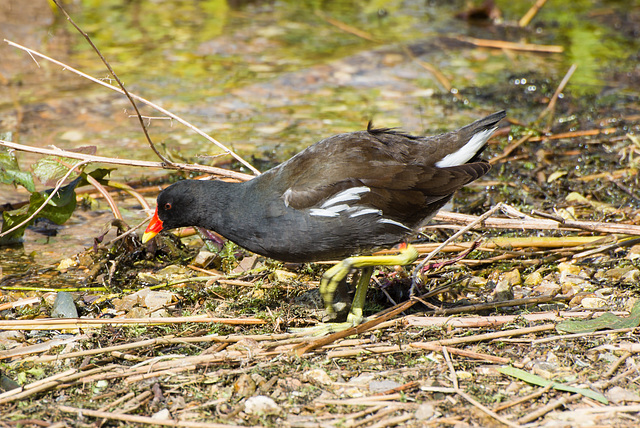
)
(350, 194)
(466, 152)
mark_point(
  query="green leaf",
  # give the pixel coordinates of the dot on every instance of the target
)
(58, 212)
(10, 171)
(604, 321)
(51, 168)
(537, 380)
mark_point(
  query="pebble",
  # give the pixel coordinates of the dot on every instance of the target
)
(618, 395)
(317, 376)
(203, 259)
(162, 415)
(64, 306)
(261, 405)
(512, 277)
(547, 288)
(617, 274)
(594, 303)
(425, 411)
(533, 279)
(383, 385)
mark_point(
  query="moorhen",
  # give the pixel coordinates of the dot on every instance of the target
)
(345, 195)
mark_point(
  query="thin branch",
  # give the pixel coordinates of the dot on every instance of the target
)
(552, 103)
(418, 269)
(201, 168)
(103, 159)
(526, 19)
(501, 44)
(117, 79)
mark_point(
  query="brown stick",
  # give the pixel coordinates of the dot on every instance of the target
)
(526, 19)
(115, 161)
(143, 419)
(500, 44)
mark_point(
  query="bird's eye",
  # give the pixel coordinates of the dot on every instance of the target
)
(167, 206)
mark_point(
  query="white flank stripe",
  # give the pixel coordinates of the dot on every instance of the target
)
(395, 223)
(365, 211)
(466, 152)
(350, 194)
(329, 212)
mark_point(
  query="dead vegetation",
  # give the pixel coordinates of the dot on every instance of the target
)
(538, 324)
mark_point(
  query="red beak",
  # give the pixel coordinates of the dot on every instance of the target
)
(155, 226)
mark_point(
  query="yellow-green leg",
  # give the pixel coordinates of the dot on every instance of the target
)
(332, 277)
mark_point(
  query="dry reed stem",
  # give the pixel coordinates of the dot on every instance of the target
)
(166, 340)
(463, 353)
(418, 269)
(510, 148)
(552, 103)
(500, 44)
(574, 134)
(581, 335)
(117, 79)
(526, 19)
(345, 27)
(611, 370)
(524, 399)
(487, 336)
(494, 320)
(68, 323)
(143, 419)
(547, 408)
(116, 161)
(470, 399)
(529, 223)
(50, 383)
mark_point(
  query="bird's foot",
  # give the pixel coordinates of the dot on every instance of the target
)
(325, 328)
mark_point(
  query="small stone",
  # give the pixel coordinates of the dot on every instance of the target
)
(631, 277)
(569, 268)
(284, 275)
(246, 264)
(158, 299)
(261, 405)
(618, 395)
(475, 281)
(512, 277)
(64, 306)
(533, 279)
(634, 252)
(383, 385)
(577, 299)
(616, 274)
(162, 415)
(245, 386)
(204, 258)
(66, 264)
(545, 370)
(462, 375)
(502, 292)
(425, 411)
(362, 379)
(317, 376)
(72, 135)
(594, 303)
(547, 288)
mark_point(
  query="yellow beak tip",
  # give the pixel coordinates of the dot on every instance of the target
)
(147, 236)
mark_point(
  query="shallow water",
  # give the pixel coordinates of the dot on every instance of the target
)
(269, 78)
